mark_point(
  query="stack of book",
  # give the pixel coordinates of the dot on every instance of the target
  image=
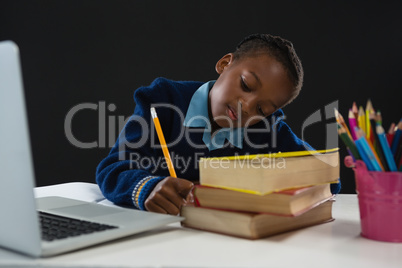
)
(256, 196)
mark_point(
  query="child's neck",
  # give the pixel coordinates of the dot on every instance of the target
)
(214, 127)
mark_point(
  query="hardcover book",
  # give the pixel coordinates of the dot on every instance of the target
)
(266, 173)
(286, 202)
(252, 225)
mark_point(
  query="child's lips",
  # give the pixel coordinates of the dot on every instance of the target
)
(232, 113)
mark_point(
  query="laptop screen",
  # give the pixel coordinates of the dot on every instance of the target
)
(19, 219)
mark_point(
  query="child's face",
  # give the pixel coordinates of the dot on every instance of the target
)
(248, 90)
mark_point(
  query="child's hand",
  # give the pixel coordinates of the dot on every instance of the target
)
(169, 195)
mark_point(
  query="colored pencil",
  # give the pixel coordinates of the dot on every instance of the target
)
(361, 119)
(396, 138)
(163, 143)
(369, 108)
(341, 121)
(373, 124)
(366, 151)
(377, 146)
(398, 153)
(352, 123)
(378, 117)
(385, 147)
(355, 110)
(390, 134)
(370, 143)
(375, 154)
(348, 142)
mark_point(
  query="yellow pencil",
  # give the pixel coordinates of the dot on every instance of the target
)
(163, 143)
(361, 119)
(369, 109)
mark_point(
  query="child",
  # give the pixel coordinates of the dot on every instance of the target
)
(239, 113)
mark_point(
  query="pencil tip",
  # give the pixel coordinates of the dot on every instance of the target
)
(369, 105)
(153, 112)
(336, 112)
(354, 107)
(379, 129)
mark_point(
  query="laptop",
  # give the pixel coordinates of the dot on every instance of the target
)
(23, 217)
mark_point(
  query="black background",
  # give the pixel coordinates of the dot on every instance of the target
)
(76, 52)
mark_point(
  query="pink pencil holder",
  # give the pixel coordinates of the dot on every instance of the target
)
(380, 203)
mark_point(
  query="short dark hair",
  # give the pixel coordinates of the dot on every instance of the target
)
(279, 48)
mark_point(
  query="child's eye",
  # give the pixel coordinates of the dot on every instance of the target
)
(244, 85)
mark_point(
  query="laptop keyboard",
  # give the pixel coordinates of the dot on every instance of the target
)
(59, 227)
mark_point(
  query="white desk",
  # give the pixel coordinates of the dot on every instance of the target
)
(334, 244)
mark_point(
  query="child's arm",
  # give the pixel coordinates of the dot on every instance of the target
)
(121, 176)
(124, 176)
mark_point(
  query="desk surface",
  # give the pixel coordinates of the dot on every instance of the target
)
(334, 244)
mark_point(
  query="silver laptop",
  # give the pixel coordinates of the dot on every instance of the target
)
(20, 222)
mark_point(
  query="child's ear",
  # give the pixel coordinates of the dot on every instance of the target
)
(224, 62)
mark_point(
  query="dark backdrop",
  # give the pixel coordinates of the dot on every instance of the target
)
(99, 52)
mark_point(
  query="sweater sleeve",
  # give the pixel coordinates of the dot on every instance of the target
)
(125, 176)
